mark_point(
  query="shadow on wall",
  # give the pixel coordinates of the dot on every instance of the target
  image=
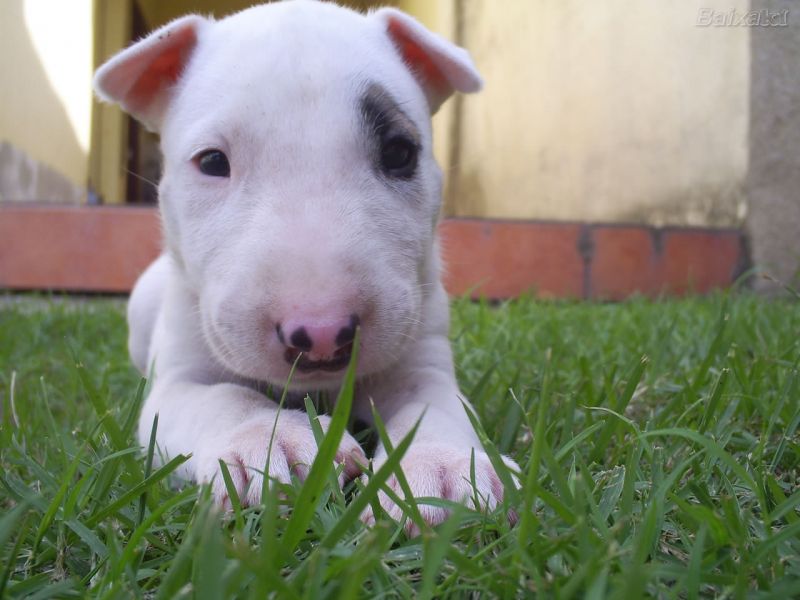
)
(41, 158)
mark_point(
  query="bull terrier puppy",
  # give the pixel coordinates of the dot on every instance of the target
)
(299, 201)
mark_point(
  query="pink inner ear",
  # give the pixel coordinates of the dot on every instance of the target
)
(163, 69)
(417, 58)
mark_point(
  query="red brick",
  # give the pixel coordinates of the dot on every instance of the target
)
(699, 261)
(501, 259)
(629, 260)
(106, 248)
(623, 262)
(100, 249)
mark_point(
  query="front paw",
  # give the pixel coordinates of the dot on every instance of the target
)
(244, 450)
(443, 471)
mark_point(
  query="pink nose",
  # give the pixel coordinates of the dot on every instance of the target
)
(319, 338)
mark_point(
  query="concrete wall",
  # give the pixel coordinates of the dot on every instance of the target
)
(773, 221)
(45, 95)
(604, 111)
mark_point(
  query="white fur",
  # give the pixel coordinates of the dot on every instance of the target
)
(302, 226)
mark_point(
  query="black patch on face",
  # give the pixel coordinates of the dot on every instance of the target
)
(394, 140)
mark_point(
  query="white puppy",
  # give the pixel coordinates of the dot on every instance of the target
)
(299, 200)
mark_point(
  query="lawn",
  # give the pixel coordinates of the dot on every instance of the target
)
(658, 442)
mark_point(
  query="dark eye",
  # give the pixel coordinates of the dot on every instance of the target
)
(214, 163)
(399, 157)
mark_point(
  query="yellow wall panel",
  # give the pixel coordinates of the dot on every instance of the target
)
(45, 95)
(604, 111)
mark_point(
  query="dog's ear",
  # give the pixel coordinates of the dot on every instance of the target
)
(440, 67)
(140, 78)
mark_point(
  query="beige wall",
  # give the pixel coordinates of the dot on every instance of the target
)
(600, 111)
(440, 16)
(45, 94)
(604, 111)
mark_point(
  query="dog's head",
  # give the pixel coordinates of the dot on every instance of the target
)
(300, 195)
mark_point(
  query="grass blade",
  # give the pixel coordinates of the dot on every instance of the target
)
(370, 490)
(316, 480)
(138, 489)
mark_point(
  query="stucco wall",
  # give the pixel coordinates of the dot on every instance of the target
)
(45, 95)
(604, 111)
(596, 111)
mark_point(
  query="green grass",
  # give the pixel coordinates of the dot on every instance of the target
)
(658, 442)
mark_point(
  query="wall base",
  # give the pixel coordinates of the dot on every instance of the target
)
(104, 249)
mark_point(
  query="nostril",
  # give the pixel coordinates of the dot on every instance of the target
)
(301, 340)
(347, 334)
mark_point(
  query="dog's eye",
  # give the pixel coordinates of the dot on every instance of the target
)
(214, 163)
(399, 157)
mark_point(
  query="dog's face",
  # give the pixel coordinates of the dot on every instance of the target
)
(300, 195)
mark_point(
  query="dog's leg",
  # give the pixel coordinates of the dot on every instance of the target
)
(438, 462)
(236, 424)
(143, 309)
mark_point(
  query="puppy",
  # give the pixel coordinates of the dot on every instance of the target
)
(299, 201)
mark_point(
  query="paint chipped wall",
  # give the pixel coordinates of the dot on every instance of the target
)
(594, 111)
(604, 111)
